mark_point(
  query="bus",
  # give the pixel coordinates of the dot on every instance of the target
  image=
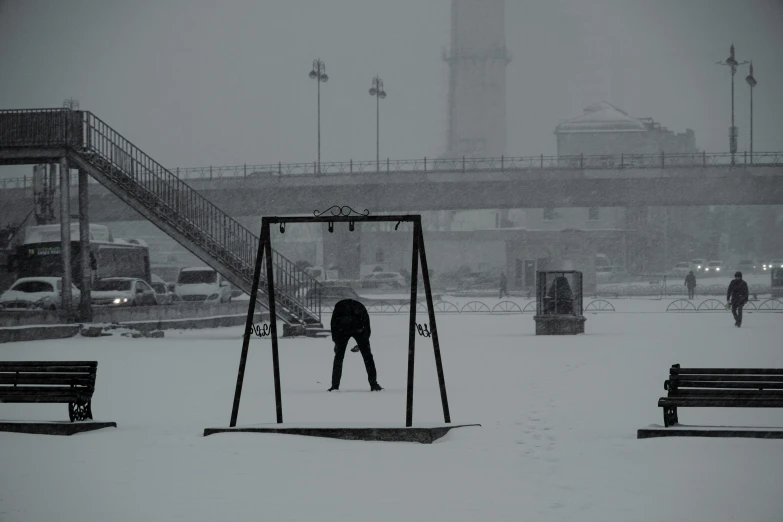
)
(39, 255)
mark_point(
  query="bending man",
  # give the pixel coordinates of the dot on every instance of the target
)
(350, 319)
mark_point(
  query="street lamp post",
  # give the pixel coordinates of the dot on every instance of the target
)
(319, 75)
(733, 63)
(377, 91)
(751, 80)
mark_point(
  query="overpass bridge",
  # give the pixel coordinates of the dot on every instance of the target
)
(468, 183)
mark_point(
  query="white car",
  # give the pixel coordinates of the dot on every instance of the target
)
(682, 268)
(41, 293)
(202, 285)
(605, 274)
(384, 280)
(122, 291)
(698, 264)
(714, 267)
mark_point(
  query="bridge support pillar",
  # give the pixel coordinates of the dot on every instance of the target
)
(85, 310)
(65, 241)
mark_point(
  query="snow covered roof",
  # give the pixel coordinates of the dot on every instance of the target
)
(601, 117)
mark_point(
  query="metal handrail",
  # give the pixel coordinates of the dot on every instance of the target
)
(213, 229)
(503, 164)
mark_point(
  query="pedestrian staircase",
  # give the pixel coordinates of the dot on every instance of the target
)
(165, 200)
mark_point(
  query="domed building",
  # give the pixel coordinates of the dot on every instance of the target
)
(603, 129)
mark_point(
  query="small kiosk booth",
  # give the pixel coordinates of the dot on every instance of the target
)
(559, 303)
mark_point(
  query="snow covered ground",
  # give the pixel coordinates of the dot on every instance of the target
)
(558, 439)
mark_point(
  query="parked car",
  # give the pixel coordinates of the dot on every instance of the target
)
(682, 268)
(122, 291)
(747, 266)
(41, 293)
(384, 280)
(606, 274)
(698, 264)
(202, 285)
(714, 267)
(330, 295)
(164, 293)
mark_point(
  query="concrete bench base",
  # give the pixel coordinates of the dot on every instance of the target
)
(53, 428)
(709, 431)
(559, 324)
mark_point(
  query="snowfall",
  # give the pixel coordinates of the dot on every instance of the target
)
(557, 440)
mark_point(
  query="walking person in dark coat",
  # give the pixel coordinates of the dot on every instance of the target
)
(503, 285)
(350, 319)
(737, 296)
(690, 282)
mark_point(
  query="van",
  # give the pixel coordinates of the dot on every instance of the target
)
(202, 285)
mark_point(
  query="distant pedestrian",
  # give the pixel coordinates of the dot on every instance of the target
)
(737, 296)
(503, 286)
(350, 319)
(690, 282)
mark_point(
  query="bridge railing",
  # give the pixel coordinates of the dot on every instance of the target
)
(30, 128)
(501, 164)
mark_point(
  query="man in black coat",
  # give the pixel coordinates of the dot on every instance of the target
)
(737, 295)
(690, 282)
(503, 285)
(350, 319)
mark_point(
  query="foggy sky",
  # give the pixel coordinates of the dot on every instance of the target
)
(198, 83)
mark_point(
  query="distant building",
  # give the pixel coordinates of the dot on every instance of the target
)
(657, 237)
(604, 129)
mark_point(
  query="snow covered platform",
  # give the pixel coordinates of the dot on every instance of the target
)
(421, 434)
(656, 430)
(53, 427)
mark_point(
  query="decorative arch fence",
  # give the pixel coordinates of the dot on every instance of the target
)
(595, 306)
(714, 305)
(671, 290)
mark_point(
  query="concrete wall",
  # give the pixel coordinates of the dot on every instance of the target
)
(184, 311)
(446, 251)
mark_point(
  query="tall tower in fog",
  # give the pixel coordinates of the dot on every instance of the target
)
(477, 63)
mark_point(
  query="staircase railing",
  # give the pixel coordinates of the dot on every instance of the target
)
(192, 214)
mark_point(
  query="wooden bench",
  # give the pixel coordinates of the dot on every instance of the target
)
(71, 382)
(720, 388)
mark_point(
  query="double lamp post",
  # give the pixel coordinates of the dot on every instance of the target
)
(732, 62)
(318, 73)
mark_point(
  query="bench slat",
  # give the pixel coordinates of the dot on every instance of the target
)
(8, 391)
(47, 378)
(92, 364)
(728, 394)
(734, 385)
(31, 399)
(720, 403)
(726, 371)
(48, 369)
(728, 378)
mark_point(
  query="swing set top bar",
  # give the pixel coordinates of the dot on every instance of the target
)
(342, 219)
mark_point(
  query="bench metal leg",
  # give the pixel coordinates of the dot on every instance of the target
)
(79, 411)
(670, 416)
